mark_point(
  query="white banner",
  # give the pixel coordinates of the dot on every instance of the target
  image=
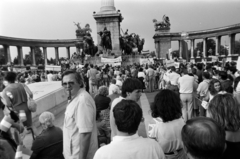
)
(214, 58)
(146, 61)
(107, 60)
(117, 64)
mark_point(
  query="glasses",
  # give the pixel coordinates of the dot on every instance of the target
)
(67, 83)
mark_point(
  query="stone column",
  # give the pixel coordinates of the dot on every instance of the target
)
(20, 55)
(157, 49)
(107, 5)
(218, 44)
(68, 52)
(180, 48)
(205, 47)
(192, 48)
(7, 54)
(56, 55)
(33, 56)
(231, 44)
(45, 55)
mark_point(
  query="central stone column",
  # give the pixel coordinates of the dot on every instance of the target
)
(110, 18)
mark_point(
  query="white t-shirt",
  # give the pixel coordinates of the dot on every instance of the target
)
(49, 77)
(130, 147)
(186, 84)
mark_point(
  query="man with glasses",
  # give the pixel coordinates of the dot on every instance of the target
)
(79, 129)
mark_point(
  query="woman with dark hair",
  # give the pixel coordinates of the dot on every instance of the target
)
(214, 88)
(167, 112)
(226, 111)
(15, 96)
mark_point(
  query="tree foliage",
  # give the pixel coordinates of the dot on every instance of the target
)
(2, 57)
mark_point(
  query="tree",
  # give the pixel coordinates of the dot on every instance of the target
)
(39, 58)
(27, 60)
(237, 47)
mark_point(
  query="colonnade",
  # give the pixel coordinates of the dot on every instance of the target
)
(7, 54)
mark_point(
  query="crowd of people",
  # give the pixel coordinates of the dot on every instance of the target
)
(196, 112)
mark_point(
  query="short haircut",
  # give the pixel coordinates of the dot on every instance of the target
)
(103, 90)
(211, 88)
(77, 77)
(10, 77)
(206, 75)
(223, 75)
(203, 138)
(226, 111)
(167, 106)
(129, 85)
(128, 116)
(113, 81)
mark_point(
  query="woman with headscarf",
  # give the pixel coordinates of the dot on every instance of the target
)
(49, 144)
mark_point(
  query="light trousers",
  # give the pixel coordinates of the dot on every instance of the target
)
(187, 103)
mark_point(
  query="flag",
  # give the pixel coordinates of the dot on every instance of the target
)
(6, 123)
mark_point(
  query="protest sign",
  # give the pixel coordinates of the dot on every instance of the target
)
(170, 63)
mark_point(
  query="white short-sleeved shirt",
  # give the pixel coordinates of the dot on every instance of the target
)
(130, 147)
(186, 84)
(112, 120)
(168, 134)
(80, 117)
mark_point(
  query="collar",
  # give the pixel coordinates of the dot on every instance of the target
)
(124, 138)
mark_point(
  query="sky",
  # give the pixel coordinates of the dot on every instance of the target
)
(53, 19)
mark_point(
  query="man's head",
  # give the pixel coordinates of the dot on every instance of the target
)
(206, 75)
(203, 138)
(128, 116)
(223, 75)
(72, 81)
(131, 89)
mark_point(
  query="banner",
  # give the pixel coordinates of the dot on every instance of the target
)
(177, 64)
(19, 69)
(146, 61)
(170, 63)
(108, 60)
(117, 64)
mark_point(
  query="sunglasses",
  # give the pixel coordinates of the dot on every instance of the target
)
(67, 83)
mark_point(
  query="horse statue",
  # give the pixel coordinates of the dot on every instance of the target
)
(165, 23)
(106, 41)
(139, 43)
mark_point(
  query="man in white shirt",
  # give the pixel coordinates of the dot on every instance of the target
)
(127, 144)
(131, 90)
(49, 76)
(173, 80)
(113, 88)
(79, 127)
(186, 86)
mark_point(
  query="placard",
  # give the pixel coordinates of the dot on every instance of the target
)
(170, 63)
(214, 58)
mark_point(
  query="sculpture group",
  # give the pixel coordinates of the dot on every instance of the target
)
(164, 24)
(131, 44)
(87, 45)
(106, 42)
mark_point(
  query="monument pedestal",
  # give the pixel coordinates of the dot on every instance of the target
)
(110, 18)
(162, 42)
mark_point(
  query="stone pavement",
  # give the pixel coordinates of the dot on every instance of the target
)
(145, 101)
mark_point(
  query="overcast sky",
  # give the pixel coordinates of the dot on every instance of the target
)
(53, 19)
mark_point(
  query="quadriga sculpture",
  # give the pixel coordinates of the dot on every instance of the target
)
(165, 23)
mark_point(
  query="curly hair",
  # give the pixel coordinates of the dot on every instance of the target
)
(166, 105)
(211, 88)
(226, 111)
(103, 90)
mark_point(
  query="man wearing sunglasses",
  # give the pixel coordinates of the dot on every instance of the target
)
(79, 129)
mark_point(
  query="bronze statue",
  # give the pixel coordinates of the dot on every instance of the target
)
(78, 25)
(106, 41)
(165, 23)
(131, 44)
